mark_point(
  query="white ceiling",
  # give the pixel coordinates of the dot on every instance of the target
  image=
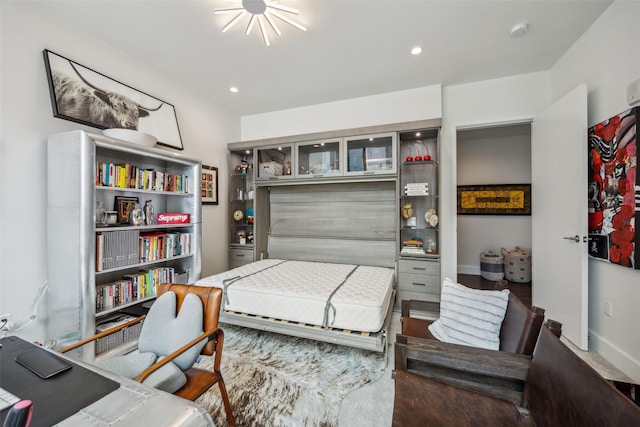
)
(352, 48)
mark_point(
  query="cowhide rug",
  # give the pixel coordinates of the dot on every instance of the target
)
(278, 380)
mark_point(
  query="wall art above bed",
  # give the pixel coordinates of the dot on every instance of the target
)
(82, 95)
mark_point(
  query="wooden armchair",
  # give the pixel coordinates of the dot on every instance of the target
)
(554, 387)
(197, 380)
(518, 334)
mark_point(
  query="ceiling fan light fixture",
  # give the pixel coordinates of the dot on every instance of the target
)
(233, 22)
(261, 10)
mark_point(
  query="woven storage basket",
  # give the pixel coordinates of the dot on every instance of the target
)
(491, 266)
(517, 265)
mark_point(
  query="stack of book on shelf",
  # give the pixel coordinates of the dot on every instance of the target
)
(132, 287)
(416, 189)
(161, 245)
(412, 246)
(118, 338)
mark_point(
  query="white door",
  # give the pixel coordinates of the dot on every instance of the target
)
(559, 214)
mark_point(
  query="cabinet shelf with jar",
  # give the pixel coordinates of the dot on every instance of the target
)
(418, 252)
(241, 208)
(105, 256)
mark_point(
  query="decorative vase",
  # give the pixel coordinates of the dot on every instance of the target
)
(148, 213)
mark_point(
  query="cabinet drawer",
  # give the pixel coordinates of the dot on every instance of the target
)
(426, 266)
(238, 257)
(407, 295)
(419, 283)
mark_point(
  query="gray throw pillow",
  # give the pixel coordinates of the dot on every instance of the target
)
(164, 332)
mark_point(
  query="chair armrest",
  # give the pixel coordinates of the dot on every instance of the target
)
(494, 373)
(103, 334)
(213, 334)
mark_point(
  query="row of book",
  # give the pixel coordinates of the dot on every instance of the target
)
(132, 287)
(111, 341)
(157, 246)
(120, 248)
(126, 175)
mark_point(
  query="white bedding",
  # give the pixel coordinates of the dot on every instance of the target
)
(298, 291)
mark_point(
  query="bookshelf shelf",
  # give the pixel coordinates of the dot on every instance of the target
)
(144, 264)
(136, 190)
(123, 306)
(76, 243)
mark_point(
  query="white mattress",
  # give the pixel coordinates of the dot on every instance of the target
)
(298, 291)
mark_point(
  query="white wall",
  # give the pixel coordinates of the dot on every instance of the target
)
(510, 100)
(27, 119)
(607, 58)
(494, 155)
(395, 107)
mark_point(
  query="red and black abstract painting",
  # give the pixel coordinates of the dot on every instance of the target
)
(614, 190)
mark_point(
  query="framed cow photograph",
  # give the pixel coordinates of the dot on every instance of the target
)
(85, 96)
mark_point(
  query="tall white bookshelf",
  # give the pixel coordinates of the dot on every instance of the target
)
(76, 280)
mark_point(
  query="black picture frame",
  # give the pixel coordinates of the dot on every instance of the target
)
(122, 205)
(500, 199)
(85, 96)
(209, 185)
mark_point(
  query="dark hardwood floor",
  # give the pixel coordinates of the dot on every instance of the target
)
(521, 290)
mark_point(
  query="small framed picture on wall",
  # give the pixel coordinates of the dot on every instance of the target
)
(209, 185)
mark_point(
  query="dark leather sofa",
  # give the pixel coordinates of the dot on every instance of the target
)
(558, 388)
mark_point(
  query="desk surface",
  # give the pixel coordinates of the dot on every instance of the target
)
(51, 397)
(86, 395)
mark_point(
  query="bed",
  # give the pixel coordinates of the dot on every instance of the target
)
(327, 274)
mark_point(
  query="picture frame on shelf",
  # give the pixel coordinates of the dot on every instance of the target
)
(501, 199)
(85, 96)
(122, 205)
(209, 185)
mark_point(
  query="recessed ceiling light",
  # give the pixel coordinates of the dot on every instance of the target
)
(416, 50)
(233, 89)
(520, 29)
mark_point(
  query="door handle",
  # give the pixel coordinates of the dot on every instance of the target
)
(575, 238)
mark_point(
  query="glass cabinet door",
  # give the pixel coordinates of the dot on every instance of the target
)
(371, 154)
(318, 158)
(275, 162)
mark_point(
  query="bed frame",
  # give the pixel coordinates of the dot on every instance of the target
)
(350, 223)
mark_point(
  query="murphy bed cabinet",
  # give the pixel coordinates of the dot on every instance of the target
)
(375, 156)
(102, 272)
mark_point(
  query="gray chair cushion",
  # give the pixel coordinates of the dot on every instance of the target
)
(130, 364)
(169, 378)
(163, 332)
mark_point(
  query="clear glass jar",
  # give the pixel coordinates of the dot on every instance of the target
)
(101, 214)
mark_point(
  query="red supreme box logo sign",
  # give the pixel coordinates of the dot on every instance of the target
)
(174, 218)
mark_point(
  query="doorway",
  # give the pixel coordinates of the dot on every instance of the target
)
(498, 154)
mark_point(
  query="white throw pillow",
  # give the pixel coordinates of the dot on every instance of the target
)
(470, 316)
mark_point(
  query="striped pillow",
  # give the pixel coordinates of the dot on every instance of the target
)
(470, 317)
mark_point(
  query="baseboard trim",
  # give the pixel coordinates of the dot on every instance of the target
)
(615, 356)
